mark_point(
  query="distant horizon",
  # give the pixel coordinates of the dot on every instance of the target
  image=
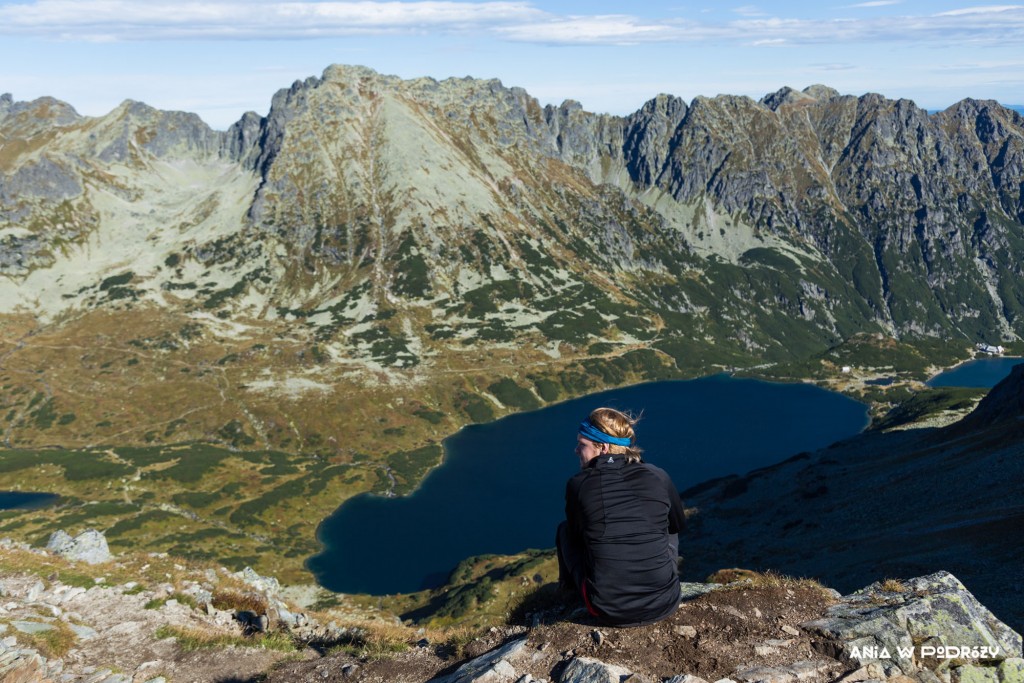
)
(1019, 108)
(221, 58)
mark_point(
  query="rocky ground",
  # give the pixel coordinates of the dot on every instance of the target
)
(72, 614)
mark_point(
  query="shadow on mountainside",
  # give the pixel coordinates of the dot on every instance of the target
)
(897, 504)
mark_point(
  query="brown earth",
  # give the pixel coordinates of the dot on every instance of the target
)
(728, 626)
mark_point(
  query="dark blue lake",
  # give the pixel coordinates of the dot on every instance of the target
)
(984, 372)
(18, 499)
(502, 486)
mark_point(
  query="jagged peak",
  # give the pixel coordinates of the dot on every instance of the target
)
(820, 92)
(48, 109)
(662, 102)
(723, 99)
(974, 107)
(784, 95)
(345, 73)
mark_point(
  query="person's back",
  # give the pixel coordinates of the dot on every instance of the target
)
(617, 546)
(622, 511)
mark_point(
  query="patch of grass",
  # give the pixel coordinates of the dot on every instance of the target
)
(375, 641)
(182, 598)
(193, 639)
(52, 643)
(76, 580)
(893, 586)
(238, 601)
(744, 579)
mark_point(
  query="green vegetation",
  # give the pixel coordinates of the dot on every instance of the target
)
(512, 395)
(930, 402)
(192, 468)
(192, 639)
(476, 407)
(409, 467)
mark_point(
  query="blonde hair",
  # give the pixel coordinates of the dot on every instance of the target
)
(619, 424)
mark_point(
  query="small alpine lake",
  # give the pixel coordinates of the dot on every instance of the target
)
(981, 373)
(501, 487)
(10, 500)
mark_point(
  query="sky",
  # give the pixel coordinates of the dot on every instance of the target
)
(222, 58)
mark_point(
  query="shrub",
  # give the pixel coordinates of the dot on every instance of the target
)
(239, 602)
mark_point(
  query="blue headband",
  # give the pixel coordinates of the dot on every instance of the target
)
(589, 431)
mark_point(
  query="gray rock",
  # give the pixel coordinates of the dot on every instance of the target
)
(871, 672)
(765, 674)
(686, 678)
(935, 608)
(975, 674)
(31, 627)
(686, 631)
(689, 591)
(487, 667)
(34, 591)
(83, 632)
(264, 584)
(1012, 670)
(584, 670)
(89, 546)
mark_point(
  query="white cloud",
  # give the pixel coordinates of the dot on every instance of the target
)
(513, 20)
(233, 19)
(749, 11)
(832, 66)
(597, 29)
(987, 9)
(877, 3)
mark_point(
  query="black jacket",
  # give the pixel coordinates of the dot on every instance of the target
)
(623, 513)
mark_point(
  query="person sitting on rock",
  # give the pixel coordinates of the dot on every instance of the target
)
(618, 546)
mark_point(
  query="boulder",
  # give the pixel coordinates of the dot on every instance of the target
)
(89, 546)
(903, 630)
(583, 670)
(490, 667)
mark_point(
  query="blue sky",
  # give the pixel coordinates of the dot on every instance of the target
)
(222, 58)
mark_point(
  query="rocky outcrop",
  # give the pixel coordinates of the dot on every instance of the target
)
(78, 623)
(929, 629)
(926, 626)
(754, 630)
(89, 546)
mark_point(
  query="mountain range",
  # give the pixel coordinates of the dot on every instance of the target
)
(376, 262)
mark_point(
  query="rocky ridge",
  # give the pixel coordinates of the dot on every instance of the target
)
(389, 228)
(106, 630)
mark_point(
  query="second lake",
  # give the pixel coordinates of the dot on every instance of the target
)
(502, 485)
